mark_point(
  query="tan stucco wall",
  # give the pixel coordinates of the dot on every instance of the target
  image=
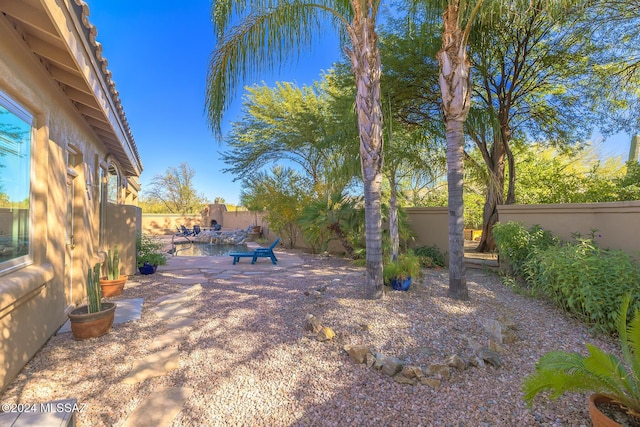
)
(168, 223)
(430, 226)
(33, 298)
(123, 223)
(617, 223)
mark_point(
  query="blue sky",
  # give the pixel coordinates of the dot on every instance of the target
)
(158, 54)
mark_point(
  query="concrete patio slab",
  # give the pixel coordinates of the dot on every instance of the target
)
(159, 408)
(154, 365)
(169, 311)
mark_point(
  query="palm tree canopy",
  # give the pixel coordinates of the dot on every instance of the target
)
(253, 36)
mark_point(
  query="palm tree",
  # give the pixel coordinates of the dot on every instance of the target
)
(268, 33)
(455, 71)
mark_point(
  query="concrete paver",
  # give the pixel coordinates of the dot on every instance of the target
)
(160, 408)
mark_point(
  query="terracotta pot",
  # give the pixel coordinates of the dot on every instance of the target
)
(86, 325)
(112, 288)
(598, 418)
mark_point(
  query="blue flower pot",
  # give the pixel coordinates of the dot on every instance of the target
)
(401, 284)
(147, 268)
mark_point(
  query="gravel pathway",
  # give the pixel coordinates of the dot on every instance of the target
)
(250, 362)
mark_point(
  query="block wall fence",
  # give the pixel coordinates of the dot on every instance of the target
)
(617, 224)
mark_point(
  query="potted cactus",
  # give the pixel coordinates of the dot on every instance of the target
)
(113, 283)
(96, 317)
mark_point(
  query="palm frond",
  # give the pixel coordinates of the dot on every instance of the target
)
(599, 372)
(262, 41)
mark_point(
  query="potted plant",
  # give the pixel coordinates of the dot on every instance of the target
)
(113, 283)
(149, 254)
(614, 384)
(96, 318)
(399, 273)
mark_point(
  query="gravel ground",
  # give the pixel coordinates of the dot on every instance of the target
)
(250, 361)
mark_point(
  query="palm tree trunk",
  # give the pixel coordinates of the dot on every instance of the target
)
(456, 100)
(365, 61)
(394, 233)
(455, 171)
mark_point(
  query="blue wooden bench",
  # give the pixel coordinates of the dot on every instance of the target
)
(257, 253)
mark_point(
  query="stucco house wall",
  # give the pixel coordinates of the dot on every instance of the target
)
(51, 68)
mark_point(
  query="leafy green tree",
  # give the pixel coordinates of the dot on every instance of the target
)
(548, 175)
(340, 218)
(615, 25)
(410, 156)
(455, 83)
(530, 71)
(301, 126)
(283, 193)
(149, 204)
(255, 34)
(175, 190)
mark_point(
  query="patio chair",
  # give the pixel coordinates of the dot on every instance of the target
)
(257, 253)
(185, 231)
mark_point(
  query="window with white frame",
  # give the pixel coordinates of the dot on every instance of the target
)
(113, 184)
(15, 183)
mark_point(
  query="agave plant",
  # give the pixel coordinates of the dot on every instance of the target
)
(599, 372)
(113, 264)
(94, 293)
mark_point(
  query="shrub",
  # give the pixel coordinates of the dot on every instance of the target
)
(430, 256)
(149, 250)
(407, 265)
(516, 244)
(586, 280)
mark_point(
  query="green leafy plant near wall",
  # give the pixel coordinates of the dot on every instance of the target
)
(517, 244)
(149, 250)
(586, 280)
(430, 256)
(406, 265)
(578, 276)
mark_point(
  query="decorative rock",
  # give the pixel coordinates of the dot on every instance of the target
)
(502, 331)
(391, 366)
(358, 353)
(455, 361)
(509, 336)
(439, 371)
(494, 346)
(371, 359)
(377, 364)
(489, 356)
(326, 334)
(476, 362)
(475, 345)
(431, 382)
(411, 371)
(312, 324)
(401, 379)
